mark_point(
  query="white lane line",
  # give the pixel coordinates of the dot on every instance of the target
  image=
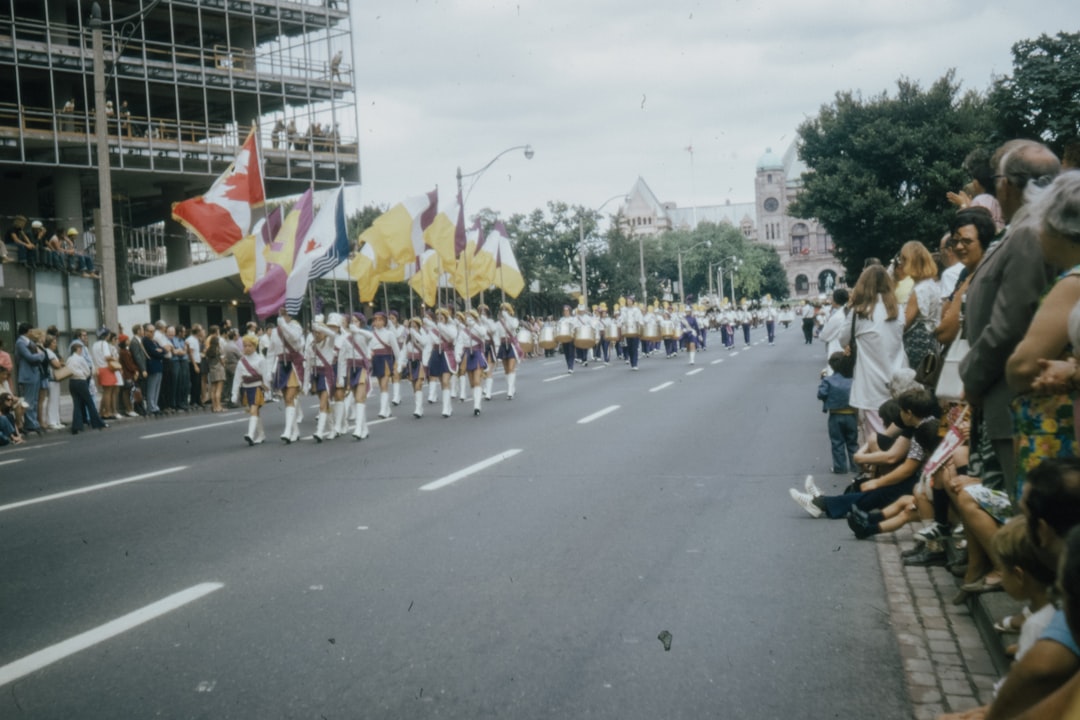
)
(8, 462)
(43, 658)
(557, 377)
(483, 464)
(91, 488)
(734, 353)
(551, 362)
(598, 415)
(717, 362)
(193, 429)
(24, 447)
(661, 386)
(695, 372)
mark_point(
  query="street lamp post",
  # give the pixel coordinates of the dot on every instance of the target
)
(679, 254)
(734, 262)
(581, 245)
(476, 174)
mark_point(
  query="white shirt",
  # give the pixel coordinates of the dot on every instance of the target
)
(194, 348)
(880, 348)
(949, 277)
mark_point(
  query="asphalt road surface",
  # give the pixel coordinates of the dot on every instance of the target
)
(607, 545)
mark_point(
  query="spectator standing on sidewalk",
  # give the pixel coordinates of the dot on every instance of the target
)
(835, 393)
(30, 357)
(194, 343)
(79, 385)
(155, 358)
(138, 356)
(1003, 294)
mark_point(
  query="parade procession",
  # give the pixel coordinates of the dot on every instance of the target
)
(443, 356)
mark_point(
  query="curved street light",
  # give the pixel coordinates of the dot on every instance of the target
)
(461, 198)
(581, 245)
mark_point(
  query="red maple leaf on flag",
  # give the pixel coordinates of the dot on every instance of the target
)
(311, 246)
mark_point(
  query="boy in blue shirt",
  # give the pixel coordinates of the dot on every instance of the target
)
(835, 394)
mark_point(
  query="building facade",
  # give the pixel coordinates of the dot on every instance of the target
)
(186, 81)
(804, 247)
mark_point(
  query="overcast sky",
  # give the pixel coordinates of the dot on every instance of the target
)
(609, 90)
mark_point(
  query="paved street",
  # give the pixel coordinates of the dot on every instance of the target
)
(393, 578)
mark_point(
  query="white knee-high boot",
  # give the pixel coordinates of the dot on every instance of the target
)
(361, 431)
(260, 434)
(350, 408)
(464, 388)
(418, 405)
(693, 353)
(511, 385)
(320, 427)
(396, 396)
(447, 409)
(253, 424)
(433, 392)
(489, 382)
(384, 405)
(338, 410)
(477, 400)
(290, 420)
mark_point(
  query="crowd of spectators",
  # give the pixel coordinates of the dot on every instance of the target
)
(962, 367)
(156, 370)
(40, 248)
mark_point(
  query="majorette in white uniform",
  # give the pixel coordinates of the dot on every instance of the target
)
(472, 340)
(322, 372)
(287, 358)
(509, 349)
(417, 350)
(630, 320)
(401, 333)
(385, 359)
(354, 373)
(491, 327)
(443, 361)
(250, 382)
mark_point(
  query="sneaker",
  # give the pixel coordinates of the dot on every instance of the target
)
(806, 502)
(932, 532)
(860, 524)
(133, 414)
(811, 488)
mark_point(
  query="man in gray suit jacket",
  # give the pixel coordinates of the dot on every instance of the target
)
(30, 359)
(1004, 294)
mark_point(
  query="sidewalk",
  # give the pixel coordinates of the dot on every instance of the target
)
(947, 662)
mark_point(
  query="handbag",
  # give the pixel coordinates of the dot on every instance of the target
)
(62, 373)
(114, 364)
(950, 387)
(929, 369)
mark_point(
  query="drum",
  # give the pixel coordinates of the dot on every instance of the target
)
(564, 331)
(584, 337)
(525, 340)
(651, 331)
(611, 331)
(667, 329)
(547, 337)
(632, 329)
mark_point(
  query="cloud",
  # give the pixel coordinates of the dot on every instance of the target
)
(606, 91)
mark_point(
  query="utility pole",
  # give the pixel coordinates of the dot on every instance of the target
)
(105, 241)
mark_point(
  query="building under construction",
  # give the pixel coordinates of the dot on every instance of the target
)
(186, 81)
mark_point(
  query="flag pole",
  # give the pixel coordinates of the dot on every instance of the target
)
(385, 300)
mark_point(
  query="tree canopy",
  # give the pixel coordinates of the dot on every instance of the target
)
(880, 168)
(1041, 99)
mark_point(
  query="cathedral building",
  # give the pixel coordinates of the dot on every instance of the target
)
(804, 246)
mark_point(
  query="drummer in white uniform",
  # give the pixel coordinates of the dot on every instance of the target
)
(567, 346)
(631, 322)
(605, 330)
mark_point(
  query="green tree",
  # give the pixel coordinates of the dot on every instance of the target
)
(1042, 97)
(879, 169)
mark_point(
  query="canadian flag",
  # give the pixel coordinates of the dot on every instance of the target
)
(229, 209)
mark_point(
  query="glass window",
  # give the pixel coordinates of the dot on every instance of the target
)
(83, 303)
(49, 292)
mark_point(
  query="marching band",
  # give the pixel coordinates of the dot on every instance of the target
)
(342, 359)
